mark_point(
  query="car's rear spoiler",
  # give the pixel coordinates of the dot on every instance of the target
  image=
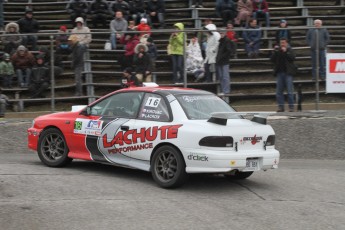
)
(221, 118)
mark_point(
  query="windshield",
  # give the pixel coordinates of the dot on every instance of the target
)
(199, 107)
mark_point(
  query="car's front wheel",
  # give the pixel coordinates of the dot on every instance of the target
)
(168, 167)
(237, 175)
(52, 148)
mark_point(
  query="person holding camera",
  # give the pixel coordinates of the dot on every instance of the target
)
(284, 68)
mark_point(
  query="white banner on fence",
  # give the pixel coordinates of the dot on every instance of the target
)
(335, 81)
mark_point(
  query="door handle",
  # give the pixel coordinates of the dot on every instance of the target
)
(124, 127)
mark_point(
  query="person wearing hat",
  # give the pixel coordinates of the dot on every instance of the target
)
(77, 63)
(142, 63)
(155, 12)
(3, 103)
(6, 71)
(40, 79)
(144, 28)
(129, 79)
(176, 50)
(29, 25)
(283, 32)
(82, 32)
(13, 39)
(99, 11)
(77, 8)
(61, 41)
(23, 61)
(130, 40)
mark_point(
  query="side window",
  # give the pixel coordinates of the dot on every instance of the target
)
(119, 105)
(154, 108)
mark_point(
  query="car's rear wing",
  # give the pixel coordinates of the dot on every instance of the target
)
(221, 118)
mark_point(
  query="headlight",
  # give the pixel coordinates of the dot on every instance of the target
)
(217, 141)
(271, 140)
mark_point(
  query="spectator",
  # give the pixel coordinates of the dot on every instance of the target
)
(76, 9)
(155, 12)
(6, 71)
(227, 10)
(44, 52)
(260, 9)
(211, 52)
(152, 51)
(29, 25)
(12, 42)
(283, 33)
(77, 63)
(196, 4)
(245, 11)
(224, 53)
(143, 27)
(117, 26)
(40, 79)
(323, 41)
(2, 14)
(142, 62)
(138, 10)
(176, 50)
(99, 11)
(130, 40)
(202, 38)
(23, 61)
(131, 25)
(3, 103)
(252, 38)
(61, 41)
(231, 34)
(284, 68)
(120, 5)
(82, 32)
(194, 60)
(129, 79)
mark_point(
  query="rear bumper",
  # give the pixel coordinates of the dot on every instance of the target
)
(205, 161)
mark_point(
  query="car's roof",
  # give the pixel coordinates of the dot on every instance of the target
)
(166, 90)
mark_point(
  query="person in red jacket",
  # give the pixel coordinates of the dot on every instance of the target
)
(143, 27)
(130, 40)
(231, 34)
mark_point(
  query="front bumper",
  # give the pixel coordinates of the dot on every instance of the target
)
(33, 135)
(206, 161)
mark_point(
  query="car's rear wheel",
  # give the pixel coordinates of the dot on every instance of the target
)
(52, 148)
(237, 175)
(168, 167)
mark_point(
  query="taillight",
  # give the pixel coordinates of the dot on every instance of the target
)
(217, 141)
(271, 140)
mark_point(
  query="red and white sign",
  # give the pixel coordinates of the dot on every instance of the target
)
(335, 81)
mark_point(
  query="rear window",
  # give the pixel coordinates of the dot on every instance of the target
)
(199, 107)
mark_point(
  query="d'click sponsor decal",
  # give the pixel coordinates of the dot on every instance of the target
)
(197, 157)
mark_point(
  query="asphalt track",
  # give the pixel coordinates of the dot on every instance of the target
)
(306, 192)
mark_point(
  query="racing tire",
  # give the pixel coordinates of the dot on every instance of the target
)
(52, 148)
(168, 167)
(238, 175)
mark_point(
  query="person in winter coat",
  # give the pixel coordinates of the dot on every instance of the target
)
(232, 35)
(6, 71)
(130, 40)
(252, 38)
(245, 11)
(152, 51)
(224, 53)
(12, 42)
(29, 25)
(117, 27)
(61, 41)
(129, 79)
(138, 10)
(82, 32)
(144, 28)
(260, 9)
(99, 11)
(283, 33)
(176, 50)
(211, 52)
(120, 5)
(155, 12)
(40, 79)
(23, 61)
(142, 63)
(77, 63)
(227, 10)
(323, 41)
(284, 68)
(76, 9)
(3, 103)
(194, 59)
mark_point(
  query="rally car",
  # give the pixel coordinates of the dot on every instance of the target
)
(170, 132)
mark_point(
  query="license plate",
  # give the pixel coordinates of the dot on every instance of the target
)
(252, 165)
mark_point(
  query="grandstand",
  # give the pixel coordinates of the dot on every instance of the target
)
(251, 84)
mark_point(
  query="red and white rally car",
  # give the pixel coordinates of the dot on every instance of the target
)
(170, 132)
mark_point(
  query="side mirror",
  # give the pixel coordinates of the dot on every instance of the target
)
(86, 111)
